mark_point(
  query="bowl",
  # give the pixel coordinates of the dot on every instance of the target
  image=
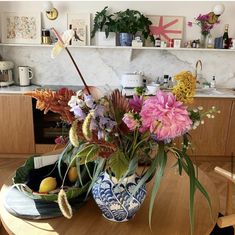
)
(21, 178)
(153, 88)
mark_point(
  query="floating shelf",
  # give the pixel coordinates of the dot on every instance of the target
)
(121, 47)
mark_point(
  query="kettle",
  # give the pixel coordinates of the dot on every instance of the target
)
(6, 73)
(132, 80)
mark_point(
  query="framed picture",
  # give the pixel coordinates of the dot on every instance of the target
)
(21, 27)
(167, 27)
(80, 23)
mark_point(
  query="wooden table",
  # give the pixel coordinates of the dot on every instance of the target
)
(170, 216)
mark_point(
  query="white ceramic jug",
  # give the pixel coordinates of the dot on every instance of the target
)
(25, 75)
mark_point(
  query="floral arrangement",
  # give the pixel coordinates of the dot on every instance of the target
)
(116, 132)
(203, 22)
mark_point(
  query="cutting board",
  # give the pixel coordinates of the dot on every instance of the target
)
(20, 205)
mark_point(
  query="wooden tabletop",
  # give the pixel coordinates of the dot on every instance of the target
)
(170, 215)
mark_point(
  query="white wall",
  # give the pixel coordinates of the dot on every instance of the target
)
(188, 9)
(106, 66)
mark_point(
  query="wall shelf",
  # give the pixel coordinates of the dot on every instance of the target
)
(120, 47)
(129, 48)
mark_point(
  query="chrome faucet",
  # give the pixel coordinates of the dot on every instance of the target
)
(198, 64)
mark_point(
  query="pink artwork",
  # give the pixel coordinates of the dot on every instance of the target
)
(167, 27)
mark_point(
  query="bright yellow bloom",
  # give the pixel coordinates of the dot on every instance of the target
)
(185, 88)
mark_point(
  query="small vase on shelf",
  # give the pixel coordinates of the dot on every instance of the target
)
(203, 41)
(209, 41)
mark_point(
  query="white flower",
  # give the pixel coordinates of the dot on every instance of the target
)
(63, 42)
(73, 101)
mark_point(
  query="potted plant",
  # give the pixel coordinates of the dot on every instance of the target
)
(128, 23)
(102, 28)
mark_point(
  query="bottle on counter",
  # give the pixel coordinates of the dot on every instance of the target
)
(226, 38)
(158, 41)
(170, 83)
(165, 81)
(213, 83)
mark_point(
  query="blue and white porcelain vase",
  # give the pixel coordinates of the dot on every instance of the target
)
(125, 39)
(115, 198)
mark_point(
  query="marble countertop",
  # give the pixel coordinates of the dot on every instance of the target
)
(216, 93)
(17, 89)
(209, 93)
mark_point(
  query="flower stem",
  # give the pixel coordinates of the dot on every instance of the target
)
(71, 57)
(83, 80)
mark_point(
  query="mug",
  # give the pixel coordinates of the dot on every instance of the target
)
(25, 74)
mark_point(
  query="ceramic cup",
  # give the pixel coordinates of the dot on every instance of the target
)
(153, 88)
(25, 75)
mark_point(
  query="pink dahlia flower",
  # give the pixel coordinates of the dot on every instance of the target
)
(165, 117)
(130, 121)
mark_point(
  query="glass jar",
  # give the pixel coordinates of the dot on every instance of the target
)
(209, 41)
(46, 39)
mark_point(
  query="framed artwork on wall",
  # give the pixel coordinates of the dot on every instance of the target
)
(167, 27)
(20, 27)
(80, 23)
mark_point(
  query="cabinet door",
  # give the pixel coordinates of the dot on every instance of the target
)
(16, 124)
(210, 139)
(230, 147)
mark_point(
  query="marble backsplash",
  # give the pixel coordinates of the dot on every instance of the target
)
(105, 66)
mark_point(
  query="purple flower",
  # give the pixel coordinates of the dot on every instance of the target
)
(101, 134)
(190, 23)
(78, 112)
(202, 17)
(93, 124)
(136, 103)
(89, 101)
(99, 111)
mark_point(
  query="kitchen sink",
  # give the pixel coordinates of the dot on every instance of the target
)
(215, 92)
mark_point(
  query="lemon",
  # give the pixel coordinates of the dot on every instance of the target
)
(72, 174)
(48, 184)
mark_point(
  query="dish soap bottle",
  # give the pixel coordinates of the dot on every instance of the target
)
(213, 83)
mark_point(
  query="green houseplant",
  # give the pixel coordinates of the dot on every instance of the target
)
(130, 22)
(103, 28)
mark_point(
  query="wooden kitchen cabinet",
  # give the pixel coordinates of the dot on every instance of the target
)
(16, 121)
(230, 146)
(210, 139)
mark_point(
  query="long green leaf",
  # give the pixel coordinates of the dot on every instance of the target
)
(162, 159)
(100, 166)
(198, 185)
(78, 166)
(87, 153)
(68, 148)
(192, 178)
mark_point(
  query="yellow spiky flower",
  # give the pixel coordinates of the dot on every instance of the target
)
(185, 88)
(64, 205)
(73, 134)
(86, 126)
